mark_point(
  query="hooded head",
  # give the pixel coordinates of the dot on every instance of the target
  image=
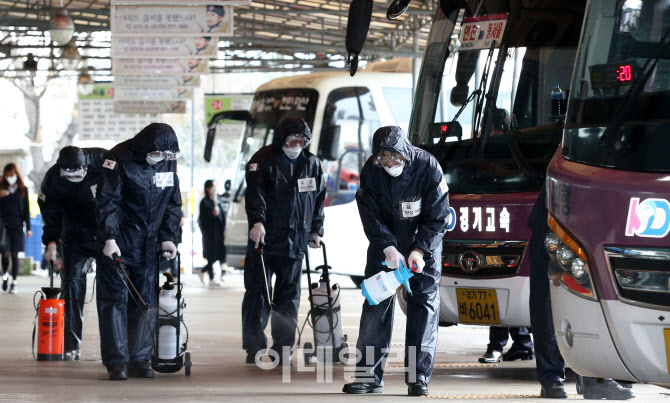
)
(288, 126)
(71, 158)
(155, 137)
(392, 138)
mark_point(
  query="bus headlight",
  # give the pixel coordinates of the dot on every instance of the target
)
(551, 243)
(564, 257)
(578, 269)
(571, 257)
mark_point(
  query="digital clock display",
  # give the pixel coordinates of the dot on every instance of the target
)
(624, 73)
(612, 75)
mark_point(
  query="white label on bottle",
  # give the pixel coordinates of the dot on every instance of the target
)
(411, 209)
(306, 185)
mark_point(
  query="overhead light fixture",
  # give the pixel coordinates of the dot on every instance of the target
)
(70, 57)
(61, 27)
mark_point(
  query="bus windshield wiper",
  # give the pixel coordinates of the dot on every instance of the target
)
(443, 139)
(633, 92)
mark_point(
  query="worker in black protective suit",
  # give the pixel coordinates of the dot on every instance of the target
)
(138, 206)
(285, 194)
(67, 202)
(403, 202)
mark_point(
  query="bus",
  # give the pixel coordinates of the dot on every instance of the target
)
(494, 146)
(609, 200)
(343, 113)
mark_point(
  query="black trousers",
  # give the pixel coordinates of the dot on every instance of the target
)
(423, 316)
(126, 327)
(498, 337)
(76, 262)
(285, 299)
(548, 359)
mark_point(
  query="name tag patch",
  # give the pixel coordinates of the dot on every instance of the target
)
(411, 209)
(306, 185)
(164, 179)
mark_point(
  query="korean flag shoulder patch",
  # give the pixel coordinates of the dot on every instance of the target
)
(253, 167)
(109, 164)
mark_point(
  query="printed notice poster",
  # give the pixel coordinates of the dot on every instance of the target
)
(185, 2)
(159, 65)
(97, 120)
(157, 81)
(153, 94)
(199, 46)
(149, 107)
(215, 103)
(172, 21)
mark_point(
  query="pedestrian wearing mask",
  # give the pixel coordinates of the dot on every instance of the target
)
(67, 202)
(15, 211)
(212, 221)
(284, 204)
(139, 211)
(403, 202)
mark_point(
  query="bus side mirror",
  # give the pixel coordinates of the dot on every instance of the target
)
(329, 143)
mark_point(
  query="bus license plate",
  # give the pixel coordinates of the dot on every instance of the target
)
(479, 306)
(666, 334)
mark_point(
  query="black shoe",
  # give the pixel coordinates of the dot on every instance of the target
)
(118, 371)
(555, 390)
(512, 355)
(419, 388)
(72, 355)
(282, 362)
(5, 281)
(251, 357)
(141, 369)
(606, 389)
(491, 357)
(359, 388)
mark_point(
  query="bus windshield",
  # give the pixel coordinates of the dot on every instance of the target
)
(624, 45)
(508, 131)
(267, 110)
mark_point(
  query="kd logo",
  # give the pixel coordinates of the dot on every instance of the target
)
(651, 218)
(451, 221)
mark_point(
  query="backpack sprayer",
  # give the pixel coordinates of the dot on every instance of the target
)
(49, 315)
(169, 352)
(325, 315)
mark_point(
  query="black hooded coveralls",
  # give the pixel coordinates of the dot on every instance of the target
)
(289, 217)
(139, 206)
(382, 200)
(68, 213)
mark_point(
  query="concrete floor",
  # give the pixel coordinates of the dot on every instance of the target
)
(219, 373)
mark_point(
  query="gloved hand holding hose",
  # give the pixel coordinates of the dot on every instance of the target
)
(51, 252)
(393, 257)
(416, 258)
(169, 249)
(111, 248)
(257, 234)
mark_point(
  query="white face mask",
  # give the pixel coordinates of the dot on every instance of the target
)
(75, 177)
(292, 152)
(11, 179)
(395, 170)
(154, 160)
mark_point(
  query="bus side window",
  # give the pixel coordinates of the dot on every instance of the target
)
(353, 110)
